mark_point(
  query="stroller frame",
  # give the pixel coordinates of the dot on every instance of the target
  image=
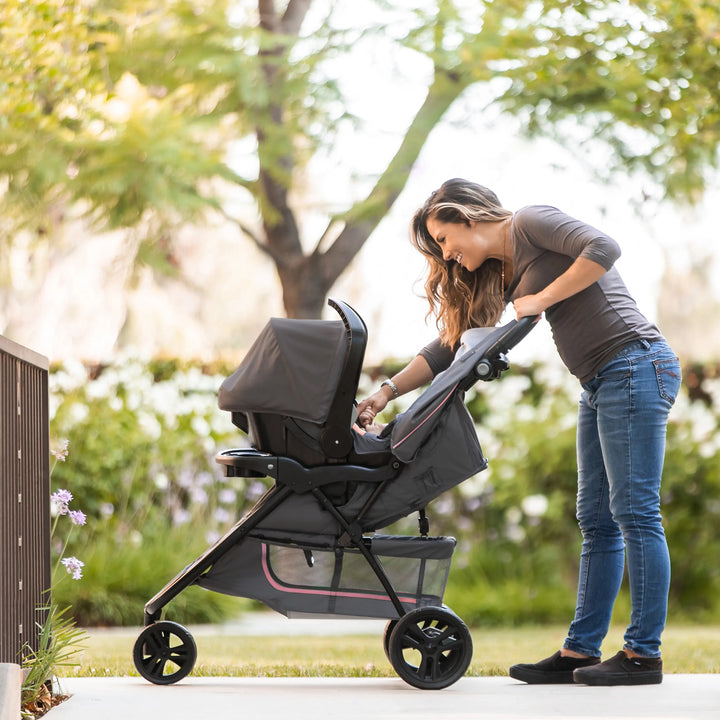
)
(165, 652)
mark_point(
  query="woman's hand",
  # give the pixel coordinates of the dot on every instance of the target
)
(414, 375)
(371, 406)
(529, 306)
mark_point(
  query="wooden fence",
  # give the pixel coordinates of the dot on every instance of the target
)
(24, 498)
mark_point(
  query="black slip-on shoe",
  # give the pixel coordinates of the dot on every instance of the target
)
(553, 670)
(622, 670)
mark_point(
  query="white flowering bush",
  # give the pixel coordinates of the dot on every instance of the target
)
(144, 436)
(517, 558)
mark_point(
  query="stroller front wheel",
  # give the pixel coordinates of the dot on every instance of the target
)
(430, 648)
(164, 653)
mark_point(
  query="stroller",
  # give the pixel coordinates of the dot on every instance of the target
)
(310, 546)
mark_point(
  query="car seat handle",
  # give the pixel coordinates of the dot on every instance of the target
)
(336, 440)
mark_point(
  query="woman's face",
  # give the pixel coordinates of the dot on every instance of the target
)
(460, 243)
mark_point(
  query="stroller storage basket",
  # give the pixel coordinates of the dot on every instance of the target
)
(301, 579)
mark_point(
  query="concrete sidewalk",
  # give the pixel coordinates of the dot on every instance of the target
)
(686, 697)
(679, 697)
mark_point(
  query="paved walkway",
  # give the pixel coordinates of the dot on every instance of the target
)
(686, 697)
(679, 697)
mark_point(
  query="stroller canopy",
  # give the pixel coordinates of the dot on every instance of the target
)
(293, 368)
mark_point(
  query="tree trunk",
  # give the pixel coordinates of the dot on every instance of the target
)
(304, 290)
(306, 279)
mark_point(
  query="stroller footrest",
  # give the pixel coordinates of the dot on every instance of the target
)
(301, 479)
(247, 462)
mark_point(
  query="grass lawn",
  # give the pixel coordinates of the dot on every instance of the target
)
(222, 652)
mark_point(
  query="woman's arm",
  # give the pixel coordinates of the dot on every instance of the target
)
(580, 275)
(414, 375)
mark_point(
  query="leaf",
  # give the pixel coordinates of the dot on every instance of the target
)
(58, 643)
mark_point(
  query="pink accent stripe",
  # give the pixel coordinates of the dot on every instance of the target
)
(445, 399)
(326, 593)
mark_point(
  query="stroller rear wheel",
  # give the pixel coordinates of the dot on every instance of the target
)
(430, 648)
(164, 653)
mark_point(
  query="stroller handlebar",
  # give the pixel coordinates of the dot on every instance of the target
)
(517, 330)
(493, 361)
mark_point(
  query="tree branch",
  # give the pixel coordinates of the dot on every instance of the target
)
(268, 16)
(294, 15)
(334, 220)
(364, 217)
(251, 235)
(276, 168)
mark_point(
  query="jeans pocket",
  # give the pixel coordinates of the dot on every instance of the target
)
(668, 378)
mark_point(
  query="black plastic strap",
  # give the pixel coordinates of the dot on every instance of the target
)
(423, 523)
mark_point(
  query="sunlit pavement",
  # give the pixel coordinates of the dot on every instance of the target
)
(694, 697)
(690, 697)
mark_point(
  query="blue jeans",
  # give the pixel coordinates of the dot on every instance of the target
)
(622, 422)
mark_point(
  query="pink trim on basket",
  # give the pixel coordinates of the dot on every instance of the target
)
(440, 405)
(332, 593)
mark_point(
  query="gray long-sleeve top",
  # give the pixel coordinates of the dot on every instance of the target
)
(590, 327)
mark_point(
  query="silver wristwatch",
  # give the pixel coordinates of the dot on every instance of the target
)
(392, 386)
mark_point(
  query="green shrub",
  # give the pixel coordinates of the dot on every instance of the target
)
(121, 575)
(142, 440)
(141, 465)
(519, 545)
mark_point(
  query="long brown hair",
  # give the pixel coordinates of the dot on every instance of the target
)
(458, 298)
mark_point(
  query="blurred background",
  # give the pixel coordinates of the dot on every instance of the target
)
(175, 172)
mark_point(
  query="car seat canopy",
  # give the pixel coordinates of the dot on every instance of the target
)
(293, 368)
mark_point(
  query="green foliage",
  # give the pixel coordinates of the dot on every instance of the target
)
(141, 445)
(121, 574)
(639, 76)
(142, 440)
(691, 506)
(519, 544)
(59, 643)
(143, 114)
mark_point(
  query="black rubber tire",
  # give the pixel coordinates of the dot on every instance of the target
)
(430, 648)
(164, 653)
(386, 637)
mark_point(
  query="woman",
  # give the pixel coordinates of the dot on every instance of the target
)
(482, 256)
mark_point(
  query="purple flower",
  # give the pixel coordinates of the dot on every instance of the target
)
(222, 515)
(77, 517)
(212, 536)
(228, 496)
(181, 516)
(74, 567)
(255, 490)
(198, 495)
(61, 499)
